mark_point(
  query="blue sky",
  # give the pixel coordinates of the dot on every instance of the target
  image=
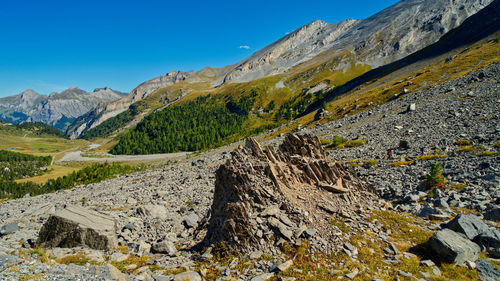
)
(52, 45)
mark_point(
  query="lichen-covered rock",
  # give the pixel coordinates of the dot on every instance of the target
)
(265, 196)
(74, 226)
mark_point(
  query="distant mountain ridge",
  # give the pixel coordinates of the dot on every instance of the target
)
(391, 34)
(57, 109)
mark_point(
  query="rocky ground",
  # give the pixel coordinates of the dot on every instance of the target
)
(162, 214)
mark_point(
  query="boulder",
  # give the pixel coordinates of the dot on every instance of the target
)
(489, 241)
(492, 214)
(487, 272)
(191, 220)
(74, 226)
(452, 247)
(9, 228)
(187, 276)
(164, 247)
(469, 225)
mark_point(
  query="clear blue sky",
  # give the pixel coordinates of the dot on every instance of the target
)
(52, 45)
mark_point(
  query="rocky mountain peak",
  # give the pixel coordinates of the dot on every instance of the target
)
(391, 34)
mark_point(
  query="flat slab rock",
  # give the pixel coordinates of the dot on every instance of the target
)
(74, 226)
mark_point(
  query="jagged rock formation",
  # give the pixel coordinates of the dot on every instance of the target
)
(265, 196)
(56, 109)
(75, 226)
(105, 111)
(391, 34)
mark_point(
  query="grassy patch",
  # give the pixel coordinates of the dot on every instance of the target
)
(431, 156)
(355, 143)
(78, 259)
(133, 259)
(401, 163)
(488, 153)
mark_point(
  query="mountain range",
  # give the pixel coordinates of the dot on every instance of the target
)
(319, 55)
(316, 58)
(57, 109)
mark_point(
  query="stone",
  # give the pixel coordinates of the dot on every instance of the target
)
(9, 228)
(255, 255)
(118, 257)
(487, 272)
(152, 211)
(469, 225)
(75, 226)
(164, 247)
(191, 220)
(452, 247)
(115, 273)
(492, 214)
(428, 263)
(470, 264)
(411, 107)
(489, 241)
(187, 276)
(263, 277)
(281, 267)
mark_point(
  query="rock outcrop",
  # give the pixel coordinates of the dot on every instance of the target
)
(78, 227)
(266, 196)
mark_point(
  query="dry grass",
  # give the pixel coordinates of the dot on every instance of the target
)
(401, 163)
(431, 156)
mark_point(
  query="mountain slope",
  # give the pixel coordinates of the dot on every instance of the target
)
(103, 112)
(56, 109)
(314, 58)
(386, 36)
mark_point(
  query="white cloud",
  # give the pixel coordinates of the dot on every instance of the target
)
(245, 47)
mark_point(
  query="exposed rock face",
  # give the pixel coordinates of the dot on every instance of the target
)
(108, 110)
(57, 109)
(75, 226)
(393, 33)
(267, 196)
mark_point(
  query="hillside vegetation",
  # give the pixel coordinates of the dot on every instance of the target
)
(15, 165)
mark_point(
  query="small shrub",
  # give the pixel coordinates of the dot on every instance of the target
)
(464, 142)
(401, 163)
(487, 153)
(355, 143)
(337, 142)
(432, 156)
(497, 40)
(325, 142)
(435, 178)
(497, 145)
(370, 163)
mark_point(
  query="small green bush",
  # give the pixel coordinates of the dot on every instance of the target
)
(435, 178)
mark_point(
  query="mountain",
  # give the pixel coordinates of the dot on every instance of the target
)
(105, 111)
(56, 109)
(391, 34)
(316, 57)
